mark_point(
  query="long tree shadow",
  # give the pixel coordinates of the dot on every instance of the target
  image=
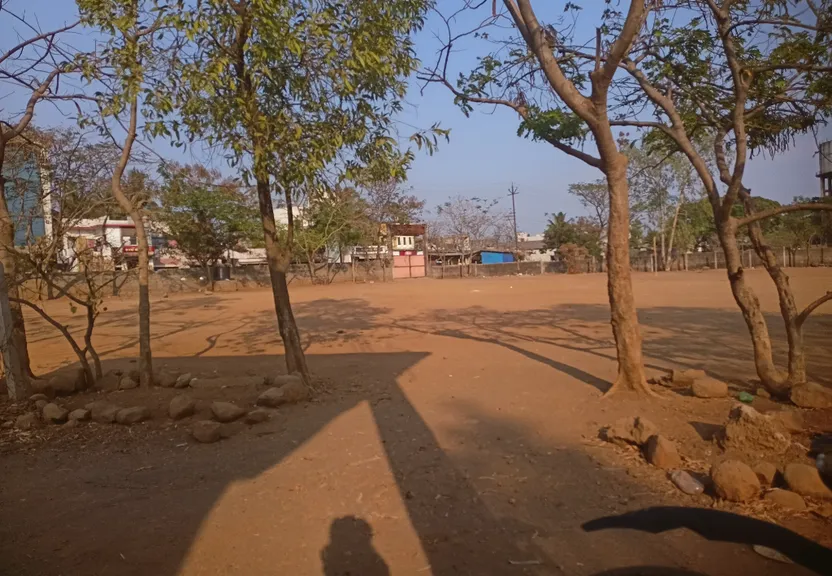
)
(712, 339)
(491, 498)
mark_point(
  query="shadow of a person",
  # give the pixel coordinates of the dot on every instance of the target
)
(350, 550)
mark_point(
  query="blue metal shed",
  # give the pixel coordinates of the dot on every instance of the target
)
(491, 257)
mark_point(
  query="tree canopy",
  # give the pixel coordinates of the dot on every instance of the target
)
(205, 214)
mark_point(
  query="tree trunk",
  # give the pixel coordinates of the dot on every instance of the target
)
(668, 264)
(624, 317)
(311, 266)
(9, 261)
(209, 275)
(785, 296)
(79, 353)
(145, 355)
(278, 258)
(127, 204)
(96, 360)
(774, 381)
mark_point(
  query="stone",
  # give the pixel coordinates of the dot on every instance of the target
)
(54, 414)
(771, 554)
(661, 452)
(791, 420)
(786, 499)
(284, 379)
(134, 375)
(207, 431)
(749, 432)
(39, 404)
(165, 379)
(257, 416)
(226, 411)
(133, 415)
(103, 411)
(823, 462)
(806, 481)
(289, 393)
(765, 471)
(62, 384)
(628, 430)
(80, 414)
(109, 381)
(70, 424)
(811, 395)
(127, 383)
(28, 421)
(183, 381)
(762, 393)
(36, 397)
(735, 481)
(686, 377)
(8, 424)
(824, 510)
(181, 406)
(686, 483)
(709, 388)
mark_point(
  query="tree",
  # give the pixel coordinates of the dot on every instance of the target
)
(660, 187)
(294, 92)
(125, 69)
(472, 223)
(31, 64)
(72, 269)
(205, 214)
(333, 219)
(561, 102)
(760, 77)
(593, 196)
(744, 76)
(558, 231)
(583, 235)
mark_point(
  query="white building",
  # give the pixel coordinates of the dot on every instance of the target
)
(112, 240)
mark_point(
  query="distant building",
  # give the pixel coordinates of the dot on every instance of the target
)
(27, 192)
(536, 251)
(526, 237)
(112, 240)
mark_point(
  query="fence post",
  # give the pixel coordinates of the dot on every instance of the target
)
(784, 258)
(749, 259)
(716, 259)
(685, 259)
(542, 266)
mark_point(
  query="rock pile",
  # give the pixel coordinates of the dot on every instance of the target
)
(749, 432)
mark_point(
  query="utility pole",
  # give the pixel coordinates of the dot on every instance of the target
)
(512, 191)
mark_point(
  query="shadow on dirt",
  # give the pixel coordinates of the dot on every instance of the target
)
(724, 527)
(493, 499)
(711, 339)
(350, 550)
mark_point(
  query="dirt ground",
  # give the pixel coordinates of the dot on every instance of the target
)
(455, 433)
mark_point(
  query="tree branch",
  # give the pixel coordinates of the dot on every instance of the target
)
(782, 210)
(36, 39)
(811, 308)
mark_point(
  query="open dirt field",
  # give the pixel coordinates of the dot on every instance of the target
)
(455, 433)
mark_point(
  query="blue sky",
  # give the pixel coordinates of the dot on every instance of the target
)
(485, 155)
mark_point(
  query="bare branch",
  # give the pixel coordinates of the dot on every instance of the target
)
(36, 39)
(811, 307)
(782, 210)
